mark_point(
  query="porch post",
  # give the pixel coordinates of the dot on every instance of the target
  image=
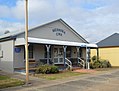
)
(78, 53)
(87, 61)
(64, 55)
(48, 56)
(88, 56)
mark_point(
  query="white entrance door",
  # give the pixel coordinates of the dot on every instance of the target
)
(58, 55)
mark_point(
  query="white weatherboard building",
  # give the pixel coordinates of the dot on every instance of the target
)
(52, 43)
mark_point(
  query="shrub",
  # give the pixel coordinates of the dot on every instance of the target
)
(99, 63)
(105, 64)
(95, 64)
(47, 69)
(54, 69)
(94, 58)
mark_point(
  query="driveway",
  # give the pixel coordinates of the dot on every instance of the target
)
(105, 81)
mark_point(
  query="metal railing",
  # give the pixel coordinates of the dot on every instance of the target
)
(68, 63)
(82, 62)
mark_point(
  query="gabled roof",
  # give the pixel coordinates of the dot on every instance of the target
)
(110, 41)
(64, 23)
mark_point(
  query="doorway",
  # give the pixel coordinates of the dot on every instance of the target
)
(58, 55)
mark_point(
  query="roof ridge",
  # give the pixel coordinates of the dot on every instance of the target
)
(107, 37)
(111, 40)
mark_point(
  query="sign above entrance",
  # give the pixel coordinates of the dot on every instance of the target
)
(59, 32)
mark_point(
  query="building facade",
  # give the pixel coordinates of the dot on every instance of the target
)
(108, 49)
(52, 43)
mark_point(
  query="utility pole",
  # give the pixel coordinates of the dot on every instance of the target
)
(26, 42)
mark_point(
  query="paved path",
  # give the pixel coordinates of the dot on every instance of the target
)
(105, 81)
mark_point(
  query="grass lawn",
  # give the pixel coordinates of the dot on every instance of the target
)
(6, 81)
(67, 74)
(60, 75)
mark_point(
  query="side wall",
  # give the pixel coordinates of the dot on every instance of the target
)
(38, 53)
(19, 58)
(74, 52)
(93, 52)
(84, 53)
(111, 54)
(6, 63)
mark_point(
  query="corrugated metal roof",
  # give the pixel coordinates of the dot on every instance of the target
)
(11, 34)
(112, 40)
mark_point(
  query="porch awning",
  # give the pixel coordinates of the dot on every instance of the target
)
(21, 41)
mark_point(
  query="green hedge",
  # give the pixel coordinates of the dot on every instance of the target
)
(47, 69)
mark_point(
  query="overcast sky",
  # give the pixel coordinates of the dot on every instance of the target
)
(93, 19)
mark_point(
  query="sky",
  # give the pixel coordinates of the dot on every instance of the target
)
(92, 19)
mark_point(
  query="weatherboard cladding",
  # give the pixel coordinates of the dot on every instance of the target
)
(62, 32)
(110, 41)
(22, 32)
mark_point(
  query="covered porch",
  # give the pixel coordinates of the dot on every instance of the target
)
(64, 54)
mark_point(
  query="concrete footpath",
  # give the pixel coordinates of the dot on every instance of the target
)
(102, 81)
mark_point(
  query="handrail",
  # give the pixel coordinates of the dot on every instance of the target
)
(69, 61)
(83, 62)
(81, 59)
(69, 64)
